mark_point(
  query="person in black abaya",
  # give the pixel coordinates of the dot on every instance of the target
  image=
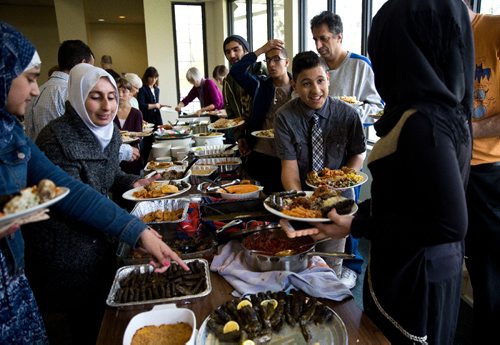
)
(416, 219)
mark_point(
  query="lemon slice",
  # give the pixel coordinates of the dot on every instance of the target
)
(243, 304)
(248, 342)
(274, 303)
(230, 326)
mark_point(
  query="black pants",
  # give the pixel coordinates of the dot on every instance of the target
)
(265, 169)
(482, 247)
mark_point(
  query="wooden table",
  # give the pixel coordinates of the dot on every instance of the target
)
(360, 328)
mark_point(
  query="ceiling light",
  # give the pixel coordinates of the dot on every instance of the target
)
(122, 17)
(100, 20)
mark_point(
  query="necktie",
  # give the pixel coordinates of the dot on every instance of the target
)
(317, 145)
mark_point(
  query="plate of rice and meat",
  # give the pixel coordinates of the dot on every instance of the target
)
(157, 190)
(226, 124)
(264, 134)
(340, 179)
(30, 200)
(309, 206)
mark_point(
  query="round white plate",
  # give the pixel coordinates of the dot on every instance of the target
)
(129, 140)
(129, 195)
(10, 217)
(212, 128)
(332, 333)
(365, 178)
(354, 209)
(258, 135)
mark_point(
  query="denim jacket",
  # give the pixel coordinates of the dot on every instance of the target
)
(23, 164)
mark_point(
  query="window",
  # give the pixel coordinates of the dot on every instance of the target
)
(311, 9)
(259, 23)
(189, 46)
(350, 12)
(239, 11)
(490, 6)
(279, 19)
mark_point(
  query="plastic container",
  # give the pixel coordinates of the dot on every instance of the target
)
(161, 315)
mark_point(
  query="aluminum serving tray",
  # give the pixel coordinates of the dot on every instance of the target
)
(214, 151)
(124, 271)
(224, 163)
(144, 207)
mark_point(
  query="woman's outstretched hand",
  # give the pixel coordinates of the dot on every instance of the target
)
(152, 243)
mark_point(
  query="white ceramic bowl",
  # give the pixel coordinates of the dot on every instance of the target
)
(203, 140)
(239, 196)
(174, 150)
(161, 149)
(161, 315)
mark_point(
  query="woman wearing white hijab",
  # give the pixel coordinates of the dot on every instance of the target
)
(23, 164)
(85, 143)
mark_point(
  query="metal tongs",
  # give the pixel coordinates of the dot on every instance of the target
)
(229, 225)
(218, 185)
(276, 199)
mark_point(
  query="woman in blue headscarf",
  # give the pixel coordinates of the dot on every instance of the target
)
(23, 164)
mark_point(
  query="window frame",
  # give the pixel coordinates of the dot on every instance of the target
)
(205, 56)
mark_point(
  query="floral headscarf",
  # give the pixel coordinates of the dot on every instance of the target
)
(16, 53)
(82, 79)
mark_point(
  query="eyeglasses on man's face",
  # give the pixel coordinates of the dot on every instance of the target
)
(274, 59)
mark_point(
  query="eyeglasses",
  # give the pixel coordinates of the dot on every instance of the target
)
(275, 59)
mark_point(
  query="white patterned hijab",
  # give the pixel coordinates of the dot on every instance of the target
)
(82, 79)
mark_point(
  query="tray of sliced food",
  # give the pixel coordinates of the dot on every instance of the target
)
(156, 165)
(273, 318)
(161, 211)
(139, 284)
(309, 206)
(336, 178)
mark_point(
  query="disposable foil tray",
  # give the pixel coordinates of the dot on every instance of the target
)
(224, 163)
(214, 151)
(123, 272)
(144, 207)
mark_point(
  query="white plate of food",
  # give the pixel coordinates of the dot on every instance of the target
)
(305, 214)
(127, 139)
(339, 179)
(330, 330)
(9, 217)
(264, 134)
(352, 100)
(222, 124)
(156, 191)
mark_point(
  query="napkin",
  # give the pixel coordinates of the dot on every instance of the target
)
(317, 280)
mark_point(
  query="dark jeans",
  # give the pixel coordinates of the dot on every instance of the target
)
(482, 247)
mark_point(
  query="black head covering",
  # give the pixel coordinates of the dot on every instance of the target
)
(423, 57)
(236, 38)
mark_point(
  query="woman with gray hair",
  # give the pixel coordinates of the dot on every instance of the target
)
(136, 83)
(205, 90)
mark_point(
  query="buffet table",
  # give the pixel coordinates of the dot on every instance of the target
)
(360, 329)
